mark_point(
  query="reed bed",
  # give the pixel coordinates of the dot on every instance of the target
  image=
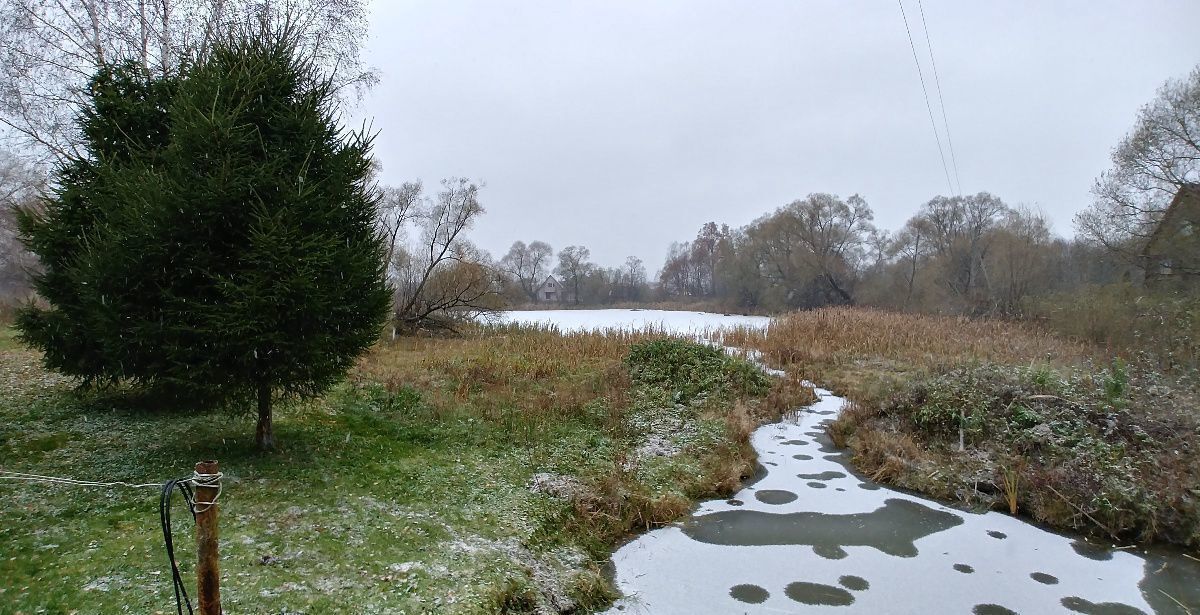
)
(842, 334)
(516, 353)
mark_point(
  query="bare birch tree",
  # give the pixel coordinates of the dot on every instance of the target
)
(398, 208)
(50, 49)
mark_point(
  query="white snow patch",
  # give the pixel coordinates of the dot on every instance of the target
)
(573, 321)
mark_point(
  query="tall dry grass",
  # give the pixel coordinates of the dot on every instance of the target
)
(508, 353)
(842, 334)
(526, 377)
(526, 380)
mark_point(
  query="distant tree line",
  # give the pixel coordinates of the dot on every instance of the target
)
(969, 254)
(973, 254)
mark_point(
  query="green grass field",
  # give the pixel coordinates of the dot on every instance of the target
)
(404, 490)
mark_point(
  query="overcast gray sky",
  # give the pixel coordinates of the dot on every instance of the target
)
(623, 126)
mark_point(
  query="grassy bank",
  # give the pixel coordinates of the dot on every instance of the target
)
(1053, 429)
(489, 473)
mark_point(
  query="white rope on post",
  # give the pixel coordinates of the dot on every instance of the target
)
(206, 480)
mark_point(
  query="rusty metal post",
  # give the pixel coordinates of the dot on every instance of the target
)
(208, 575)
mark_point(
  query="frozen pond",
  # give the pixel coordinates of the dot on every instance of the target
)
(810, 536)
(590, 320)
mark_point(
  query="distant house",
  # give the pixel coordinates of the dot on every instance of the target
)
(1171, 256)
(552, 291)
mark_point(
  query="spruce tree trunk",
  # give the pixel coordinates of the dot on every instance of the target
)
(264, 434)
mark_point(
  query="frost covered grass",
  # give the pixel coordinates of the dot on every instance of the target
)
(1050, 428)
(486, 473)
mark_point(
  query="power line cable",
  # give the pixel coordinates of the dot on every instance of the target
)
(925, 91)
(941, 102)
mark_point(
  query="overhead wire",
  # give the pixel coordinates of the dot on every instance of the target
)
(937, 82)
(925, 91)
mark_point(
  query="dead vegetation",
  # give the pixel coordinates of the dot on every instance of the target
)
(669, 419)
(998, 415)
(842, 335)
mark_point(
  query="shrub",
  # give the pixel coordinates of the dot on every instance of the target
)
(952, 402)
(689, 369)
(1116, 381)
(1130, 320)
(1111, 453)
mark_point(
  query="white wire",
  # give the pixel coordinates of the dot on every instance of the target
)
(38, 478)
(197, 480)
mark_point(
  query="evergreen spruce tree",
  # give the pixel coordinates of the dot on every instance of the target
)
(216, 240)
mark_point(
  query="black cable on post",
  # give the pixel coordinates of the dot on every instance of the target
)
(186, 487)
(164, 513)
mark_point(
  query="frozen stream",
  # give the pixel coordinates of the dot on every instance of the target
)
(809, 536)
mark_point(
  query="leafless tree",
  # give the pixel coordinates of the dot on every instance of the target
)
(573, 265)
(1152, 162)
(20, 186)
(960, 234)
(50, 49)
(20, 181)
(1019, 259)
(441, 277)
(678, 276)
(634, 274)
(528, 264)
(911, 247)
(704, 257)
(398, 208)
(830, 233)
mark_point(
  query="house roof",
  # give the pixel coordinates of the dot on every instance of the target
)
(1187, 192)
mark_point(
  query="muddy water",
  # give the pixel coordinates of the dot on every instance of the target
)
(811, 536)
